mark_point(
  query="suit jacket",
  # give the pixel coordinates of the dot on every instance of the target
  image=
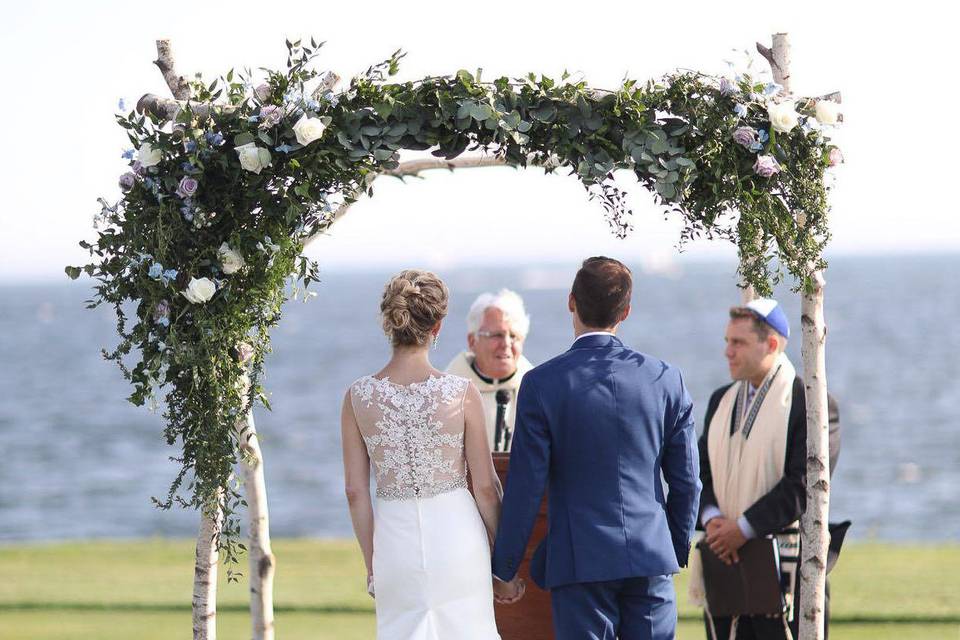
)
(783, 504)
(599, 424)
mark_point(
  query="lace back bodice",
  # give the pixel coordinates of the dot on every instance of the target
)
(413, 434)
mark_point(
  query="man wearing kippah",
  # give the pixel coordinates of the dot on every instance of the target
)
(753, 462)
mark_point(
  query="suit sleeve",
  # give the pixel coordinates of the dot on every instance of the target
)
(526, 482)
(681, 470)
(833, 410)
(707, 497)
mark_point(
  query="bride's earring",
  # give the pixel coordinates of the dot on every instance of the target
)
(436, 340)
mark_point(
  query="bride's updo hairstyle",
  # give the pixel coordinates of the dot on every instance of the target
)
(413, 302)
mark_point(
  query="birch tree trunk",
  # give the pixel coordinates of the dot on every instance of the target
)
(814, 535)
(205, 574)
(211, 516)
(262, 561)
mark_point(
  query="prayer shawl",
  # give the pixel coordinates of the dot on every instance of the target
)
(747, 464)
(462, 366)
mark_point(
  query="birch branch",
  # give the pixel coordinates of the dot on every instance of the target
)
(179, 86)
(409, 168)
(779, 58)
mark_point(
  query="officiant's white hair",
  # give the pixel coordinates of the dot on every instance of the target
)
(509, 302)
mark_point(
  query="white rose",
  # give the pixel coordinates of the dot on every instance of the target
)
(783, 116)
(230, 260)
(308, 129)
(200, 290)
(148, 156)
(253, 158)
(828, 111)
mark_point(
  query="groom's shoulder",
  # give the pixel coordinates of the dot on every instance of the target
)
(554, 364)
(649, 363)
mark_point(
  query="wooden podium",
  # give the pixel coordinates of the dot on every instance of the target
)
(529, 619)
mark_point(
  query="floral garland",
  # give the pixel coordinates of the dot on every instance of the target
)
(217, 205)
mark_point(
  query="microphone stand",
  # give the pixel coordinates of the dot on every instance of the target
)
(501, 434)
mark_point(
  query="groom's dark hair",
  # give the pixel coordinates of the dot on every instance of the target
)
(602, 291)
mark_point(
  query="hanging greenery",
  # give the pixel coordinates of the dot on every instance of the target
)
(224, 190)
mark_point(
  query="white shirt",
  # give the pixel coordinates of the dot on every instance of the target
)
(594, 333)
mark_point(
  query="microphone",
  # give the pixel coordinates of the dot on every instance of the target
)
(501, 437)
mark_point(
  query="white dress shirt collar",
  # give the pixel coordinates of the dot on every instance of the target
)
(595, 333)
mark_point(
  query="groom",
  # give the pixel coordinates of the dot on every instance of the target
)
(598, 425)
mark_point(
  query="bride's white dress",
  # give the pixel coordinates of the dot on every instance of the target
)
(431, 557)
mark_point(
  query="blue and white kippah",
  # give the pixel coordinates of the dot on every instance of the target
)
(770, 312)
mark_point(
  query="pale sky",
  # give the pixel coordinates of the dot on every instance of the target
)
(65, 65)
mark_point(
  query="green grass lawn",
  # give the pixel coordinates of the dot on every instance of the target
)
(142, 589)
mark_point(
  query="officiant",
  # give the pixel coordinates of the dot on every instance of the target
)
(753, 464)
(497, 325)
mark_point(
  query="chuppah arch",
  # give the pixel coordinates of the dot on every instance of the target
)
(229, 182)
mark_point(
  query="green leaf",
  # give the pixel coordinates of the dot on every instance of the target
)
(666, 189)
(511, 120)
(584, 107)
(243, 138)
(481, 112)
(524, 126)
(545, 114)
(73, 272)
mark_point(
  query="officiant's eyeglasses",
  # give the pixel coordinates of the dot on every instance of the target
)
(500, 335)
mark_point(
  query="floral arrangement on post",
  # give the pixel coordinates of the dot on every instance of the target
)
(224, 189)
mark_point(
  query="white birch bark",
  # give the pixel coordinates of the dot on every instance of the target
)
(814, 535)
(211, 516)
(205, 574)
(262, 561)
(409, 168)
(179, 86)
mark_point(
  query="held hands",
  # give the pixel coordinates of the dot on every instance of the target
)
(725, 539)
(508, 592)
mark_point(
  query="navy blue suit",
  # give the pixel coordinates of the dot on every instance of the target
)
(598, 425)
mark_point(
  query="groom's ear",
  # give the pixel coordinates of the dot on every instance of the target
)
(626, 312)
(571, 303)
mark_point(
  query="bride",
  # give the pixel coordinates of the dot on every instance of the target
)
(425, 540)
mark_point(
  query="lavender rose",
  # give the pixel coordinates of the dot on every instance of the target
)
(270, 116)
(727, 87)
(766, 166)
(263, 92)
(161, 313)
(187, 187)
(745, 136)
(127, 181)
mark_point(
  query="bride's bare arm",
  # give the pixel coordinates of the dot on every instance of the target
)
(486, 485)
(356, 474)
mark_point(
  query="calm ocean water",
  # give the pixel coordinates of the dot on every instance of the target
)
(80, 462)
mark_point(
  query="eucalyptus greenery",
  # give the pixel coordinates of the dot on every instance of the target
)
(206, 241)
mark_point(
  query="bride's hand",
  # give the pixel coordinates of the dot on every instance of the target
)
(370, 589)
(508, 592)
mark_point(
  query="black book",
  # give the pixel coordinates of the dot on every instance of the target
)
(750, 587)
